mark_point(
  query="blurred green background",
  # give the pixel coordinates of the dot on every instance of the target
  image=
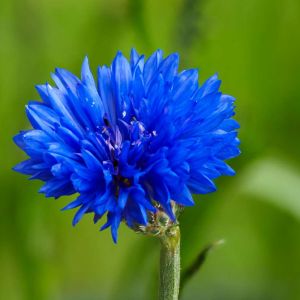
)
(254, 46)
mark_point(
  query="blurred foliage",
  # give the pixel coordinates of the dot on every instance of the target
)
(254, 46)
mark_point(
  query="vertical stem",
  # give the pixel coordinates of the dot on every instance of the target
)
(170, 264)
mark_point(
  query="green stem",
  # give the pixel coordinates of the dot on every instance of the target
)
(170, 264)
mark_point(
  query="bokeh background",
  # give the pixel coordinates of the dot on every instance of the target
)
(254, 46)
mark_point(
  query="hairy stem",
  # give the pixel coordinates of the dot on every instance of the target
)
(170, 264)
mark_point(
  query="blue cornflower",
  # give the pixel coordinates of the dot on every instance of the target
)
(140, 139)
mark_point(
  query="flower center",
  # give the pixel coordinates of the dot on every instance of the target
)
(123, 181)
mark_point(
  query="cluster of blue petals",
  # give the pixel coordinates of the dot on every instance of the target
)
(141, 131)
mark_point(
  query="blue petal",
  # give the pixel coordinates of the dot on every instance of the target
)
(121, 79)
(115, 226)
(56, 188)
(168, 67)
(91, 161)
(79, 214)
(139, 196)
(134, 58)
(69, 80)
(123, 196)
(89, 92)
(25, 167)
(210, 86)
(106, 94)
(72, 204)
(184, 197)
(42, 117)
(201, 184)
(151, 66)
(185, 85)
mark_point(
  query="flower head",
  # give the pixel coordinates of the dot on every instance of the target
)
(140, 138)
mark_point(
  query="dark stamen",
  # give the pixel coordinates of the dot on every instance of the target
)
(106, 123)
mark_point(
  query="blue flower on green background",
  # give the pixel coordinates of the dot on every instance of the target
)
(141, 137)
